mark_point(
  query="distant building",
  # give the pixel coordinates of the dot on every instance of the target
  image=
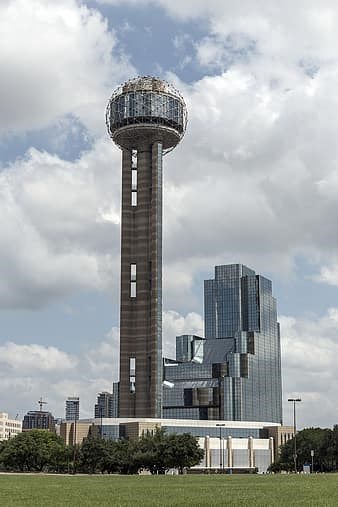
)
(234, 373)
(72, 411)
(38, 420)
(9, 428)
(74, 432)
(104, 406)
(231, 445)
(116, 399)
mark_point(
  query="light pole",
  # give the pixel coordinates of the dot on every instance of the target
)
(77, 405)
(294, 401)
(221, 451)
(101, 415)
(312, 455)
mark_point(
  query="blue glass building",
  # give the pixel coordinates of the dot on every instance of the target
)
(234, 373)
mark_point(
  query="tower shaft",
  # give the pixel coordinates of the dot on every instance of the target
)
(141, 282)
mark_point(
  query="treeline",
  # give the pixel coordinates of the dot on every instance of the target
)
(322, 441)
(40, 450)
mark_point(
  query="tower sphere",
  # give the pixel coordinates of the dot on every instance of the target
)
(144, 110)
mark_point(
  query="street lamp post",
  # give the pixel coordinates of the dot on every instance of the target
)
(294, 401)
(221, 450)
(101, 415)
(77, 403)
(312, 455)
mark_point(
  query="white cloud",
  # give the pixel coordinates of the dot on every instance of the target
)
(175, 324)
(254, 180)
(56, 58)
(34, 358)
(59, 225)
(105, 358)
(310, 362)
(289, 30)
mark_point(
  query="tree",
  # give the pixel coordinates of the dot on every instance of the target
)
(317, 439)
(150, 452)
(183, 451)
(90, 455)
(158, 451)
(34, 450)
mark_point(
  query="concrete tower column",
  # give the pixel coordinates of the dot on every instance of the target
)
(145, 117)
(251, 452)
(141, 283)
(229, 447)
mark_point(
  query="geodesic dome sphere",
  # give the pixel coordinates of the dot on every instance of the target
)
(145, 110)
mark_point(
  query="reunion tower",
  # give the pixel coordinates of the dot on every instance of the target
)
(146, 117)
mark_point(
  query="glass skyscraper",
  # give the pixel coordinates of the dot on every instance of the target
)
(234, 373)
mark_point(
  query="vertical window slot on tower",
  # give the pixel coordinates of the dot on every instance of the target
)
(134, 177)
(133, 289)
(134, 159)
(133, 280)
(134, 180)
(132, 374)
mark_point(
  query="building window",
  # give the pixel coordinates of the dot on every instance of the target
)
(133, 280)
(133, 289)
(134, 177)
(132, 374)
(133, 272)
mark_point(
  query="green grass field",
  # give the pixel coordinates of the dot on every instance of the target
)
(191, 490)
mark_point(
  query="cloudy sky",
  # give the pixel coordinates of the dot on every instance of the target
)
(255, 181)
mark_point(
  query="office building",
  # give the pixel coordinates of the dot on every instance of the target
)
(9, 428)
(234, 373)
(146, 118)
(72, 410)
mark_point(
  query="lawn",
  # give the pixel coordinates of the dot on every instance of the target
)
(173, 491)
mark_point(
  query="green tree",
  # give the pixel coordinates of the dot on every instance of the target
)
(35, 450)
(90, 455)
(183, 451)
(150, 451)
(317, 439)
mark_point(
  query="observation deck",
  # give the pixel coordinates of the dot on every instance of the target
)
(145, 110)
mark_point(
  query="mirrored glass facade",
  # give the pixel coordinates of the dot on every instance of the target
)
(147, 107)
(234, 373)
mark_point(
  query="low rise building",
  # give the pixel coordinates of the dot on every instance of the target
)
(9, 428)
(74, 432)
(228, 445)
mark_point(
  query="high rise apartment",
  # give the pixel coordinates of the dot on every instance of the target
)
(104, 406)
(72, 409)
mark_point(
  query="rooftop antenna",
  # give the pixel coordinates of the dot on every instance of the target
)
(41, 403)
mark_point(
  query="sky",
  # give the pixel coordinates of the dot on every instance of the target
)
(254, 181)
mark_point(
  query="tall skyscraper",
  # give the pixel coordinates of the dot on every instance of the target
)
(239, 303)
(72, 411)
(234, 373)
(146, 118)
